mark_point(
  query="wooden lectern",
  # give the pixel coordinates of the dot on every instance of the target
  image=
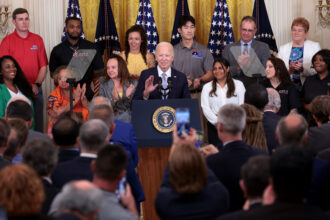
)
(154, 145)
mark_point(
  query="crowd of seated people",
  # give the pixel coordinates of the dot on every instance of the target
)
(267, 151)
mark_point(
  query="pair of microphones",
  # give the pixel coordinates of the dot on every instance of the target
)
(162, 90)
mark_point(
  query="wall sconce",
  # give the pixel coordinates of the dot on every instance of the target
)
(324, 13)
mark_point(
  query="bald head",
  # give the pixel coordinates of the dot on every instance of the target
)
(292, 129)
(98, 100)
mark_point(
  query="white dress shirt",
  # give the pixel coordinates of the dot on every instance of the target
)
(211, 105)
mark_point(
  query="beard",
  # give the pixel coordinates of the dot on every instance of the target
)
(73, 37)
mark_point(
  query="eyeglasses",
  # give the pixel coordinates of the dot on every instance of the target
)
(247, 30)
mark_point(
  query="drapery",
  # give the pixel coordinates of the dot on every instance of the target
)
(125, 12)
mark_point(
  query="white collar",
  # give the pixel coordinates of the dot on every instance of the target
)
(168, 72)
(90, 155)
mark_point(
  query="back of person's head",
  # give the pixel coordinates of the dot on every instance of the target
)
(103, 112)
(82, 197)
(110, 163)
(184, 19)
(65, 132)
(321, 108)
(255, 175)
(17, 138)
(21, 191)
(232, 117)
(274, 100)
(291, 169)
(93, 135)
(253, 133)
(188, 171)
(256, 95)
(292, 129)
(98, 100)
(19, 109)
(41, 155)
(4, 132)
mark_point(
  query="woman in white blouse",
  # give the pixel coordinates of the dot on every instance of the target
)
(223, 89)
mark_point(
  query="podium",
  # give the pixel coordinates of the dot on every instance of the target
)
(154, 146)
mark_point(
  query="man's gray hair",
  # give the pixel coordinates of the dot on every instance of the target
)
(164, 43)
(274, 99)
(98, 100)
(292, 129)
(41, 155)
(93, 134)
(232, 117)
(81, 196)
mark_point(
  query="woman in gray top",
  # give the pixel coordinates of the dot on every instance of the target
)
(119, 87)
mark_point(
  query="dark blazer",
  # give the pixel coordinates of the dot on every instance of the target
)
(211, 202)
(50, 191)
(179, 85)
(318, 138)
(125, 136)
(226, 165)
(67, 154)
(3, 162)
(278, 211)
(260, 48)
(269, 122)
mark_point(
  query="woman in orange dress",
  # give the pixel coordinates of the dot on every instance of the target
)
(59, 99)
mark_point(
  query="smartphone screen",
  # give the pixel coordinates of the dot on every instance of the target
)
(199, 140)
(182, 120)
(121, 188)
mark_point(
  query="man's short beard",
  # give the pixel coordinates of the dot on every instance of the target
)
(73, 37)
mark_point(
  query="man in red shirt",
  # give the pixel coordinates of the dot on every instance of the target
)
(29, 51)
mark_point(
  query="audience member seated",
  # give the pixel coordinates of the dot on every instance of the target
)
(256, 95)
(93, 135)
(317, 84)
(318, 137)
(247, 56)
(12, 83)
(255, 177)
(59, 99)
(65, 133)
(4, 134)
(108, 170)
(270, 119)
(227, 163)
(79, 200)
(223, 89)
(123, 133)
(253, 133)
(119, 87)
(21, 192)
(298, 53)
(189, 189)
(104, 112)
(278, 78)
(136, 52)
(174, 83)
(20, 108)
(41, 155)
(292, 129)
(284, 198)
(16, 139)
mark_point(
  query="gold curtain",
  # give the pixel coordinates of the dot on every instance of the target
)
(125, 12)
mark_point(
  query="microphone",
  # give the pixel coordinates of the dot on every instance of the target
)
(169, 83)
(160, 83)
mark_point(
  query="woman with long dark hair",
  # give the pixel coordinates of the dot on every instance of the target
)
(278, 78)
(223, 89)
(12, 83)
(119, 87)
(136, 55)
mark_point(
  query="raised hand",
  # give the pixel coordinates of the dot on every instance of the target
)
(130, 90)
(149, 87)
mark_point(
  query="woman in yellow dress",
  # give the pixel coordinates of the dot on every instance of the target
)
(136, 55)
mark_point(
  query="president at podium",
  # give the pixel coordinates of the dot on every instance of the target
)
(162, 81)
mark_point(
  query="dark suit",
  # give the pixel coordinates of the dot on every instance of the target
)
(226, 165)
(269, 122)
(318, 138)
(277, 211)
(212, 201)
(234, 50)
(50, 191)
(179, 85)
(67, 154)
(3, 162)
(125, 136)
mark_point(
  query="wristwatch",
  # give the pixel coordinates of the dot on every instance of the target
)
(38, 84)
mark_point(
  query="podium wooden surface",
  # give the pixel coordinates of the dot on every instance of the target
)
(152, 163)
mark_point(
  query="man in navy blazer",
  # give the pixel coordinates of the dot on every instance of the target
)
(227, 163)
(151, 80)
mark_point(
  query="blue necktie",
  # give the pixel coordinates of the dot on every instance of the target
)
(164, 85)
